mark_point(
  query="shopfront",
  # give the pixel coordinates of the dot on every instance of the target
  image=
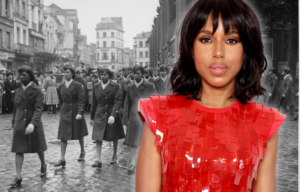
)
(24, 56)
(7, 60)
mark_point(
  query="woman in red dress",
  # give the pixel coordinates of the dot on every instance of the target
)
(209, 136)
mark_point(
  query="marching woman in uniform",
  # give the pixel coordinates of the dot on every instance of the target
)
(105, 119)
(274, 94)
(72, 125)
(209, 135)
(161, 83)
(28, 132)
(137, 90)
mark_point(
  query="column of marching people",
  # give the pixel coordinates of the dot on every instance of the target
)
(111, 98)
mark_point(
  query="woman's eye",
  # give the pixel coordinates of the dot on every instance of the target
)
(205, 40)
(232, 41)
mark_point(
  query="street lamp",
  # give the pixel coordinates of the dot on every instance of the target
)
(135, 45)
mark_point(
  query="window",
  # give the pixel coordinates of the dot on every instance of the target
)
(104, 43)
(146, 63)
(1, 38)
(24, 37)
(147, 44)
(112, 34)
(97, 35)
(141, 64)
(7, 40)
(172, 11)
(7, 9)
(32, 13)
(112, 67)
(104, 56)
(17, 6)
(112, 56)
(98, 44)
(141, 53)
(112, 44)
(98, 56)
(141, 43)
(23, 9)
(18, 35)
(104, 34)
(146, 54)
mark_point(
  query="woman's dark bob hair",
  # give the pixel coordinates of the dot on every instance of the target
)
(71, 70)
(185, 79)
(28, 70)
(107, 71)
(136, 68)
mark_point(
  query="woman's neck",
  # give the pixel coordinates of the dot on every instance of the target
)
(214, 97)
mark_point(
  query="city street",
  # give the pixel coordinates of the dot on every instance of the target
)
(82, 177)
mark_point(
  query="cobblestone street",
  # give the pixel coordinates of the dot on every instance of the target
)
(78, 176)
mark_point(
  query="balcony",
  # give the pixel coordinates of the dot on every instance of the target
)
(22, 48)
(17, 47)
(33, 24)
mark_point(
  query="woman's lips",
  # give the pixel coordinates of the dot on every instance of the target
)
(218, 69)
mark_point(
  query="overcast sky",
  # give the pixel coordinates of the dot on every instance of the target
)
(137, 15)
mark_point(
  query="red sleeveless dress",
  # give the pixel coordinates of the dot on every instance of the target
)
(209, 149)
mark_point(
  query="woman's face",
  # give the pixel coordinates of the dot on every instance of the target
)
(24, 78)
(163, 73)
(68, 75)
(147, 74)
(104, 77)
(138, 76)
(155, 72)
(218, 57)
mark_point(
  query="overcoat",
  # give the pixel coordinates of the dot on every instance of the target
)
(28, 109)
(106, 103)
(124, 87)
(162, 86)
(274, 100)
(289, 91)
(131, 119)
(150, 80)
(72, 103)
(8, 87)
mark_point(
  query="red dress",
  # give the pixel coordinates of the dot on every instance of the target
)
(209, 149)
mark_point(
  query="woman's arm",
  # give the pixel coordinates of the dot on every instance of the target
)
(148, 170)
(266, 177)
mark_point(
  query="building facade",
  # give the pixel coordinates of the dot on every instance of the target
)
(164, 38)
(110, 43)
(141, 47)
(7, 53)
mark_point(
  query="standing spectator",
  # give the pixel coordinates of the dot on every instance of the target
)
(124, 85)
(28, 133)
(289, 96)
(137, 90)
(72, 125)
(51, 93)
(161, 84)
(105, 119)
(274, 94)
(10, 86)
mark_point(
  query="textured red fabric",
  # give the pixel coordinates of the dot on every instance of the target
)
(208, 149)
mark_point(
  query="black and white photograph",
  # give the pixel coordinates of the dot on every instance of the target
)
(149, 95)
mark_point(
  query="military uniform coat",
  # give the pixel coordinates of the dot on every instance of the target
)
(28, 109)
(72, 103)
(162, 86)
(131, 119)
(274, 100)
(106, 103)
(289, 91)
